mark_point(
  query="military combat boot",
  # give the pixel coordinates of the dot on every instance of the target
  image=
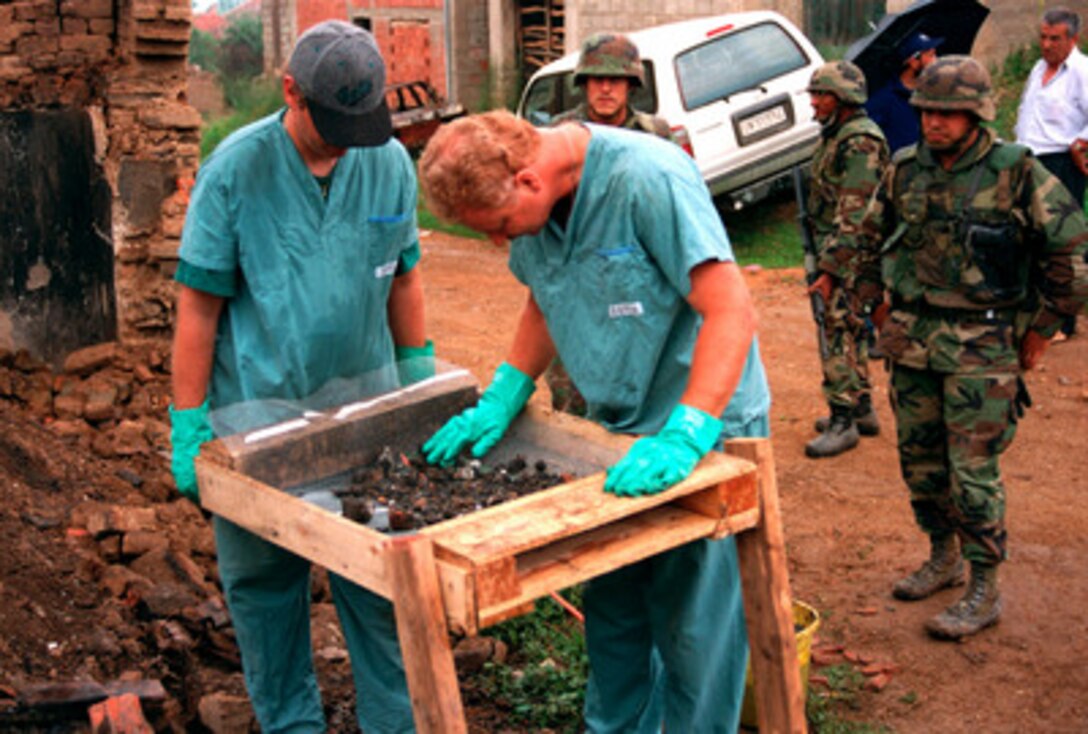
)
(864, 418)
(841, 435)
(943, 569)
(979, 608)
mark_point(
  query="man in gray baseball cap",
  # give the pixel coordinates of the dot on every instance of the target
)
(341, 75)
(299, 289)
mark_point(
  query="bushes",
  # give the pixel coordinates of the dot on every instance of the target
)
(241, 52)
(1009, 85)
(252, 100)
(542, 685)
(237, 59)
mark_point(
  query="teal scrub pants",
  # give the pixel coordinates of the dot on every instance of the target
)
(268, 593)
(667, 641)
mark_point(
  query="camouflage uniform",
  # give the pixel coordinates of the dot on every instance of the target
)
(611, 55)
(973, 257)
(846, 168)
(634, 120)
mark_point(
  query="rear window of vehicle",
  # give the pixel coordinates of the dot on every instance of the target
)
(550, 96)
(736, 62)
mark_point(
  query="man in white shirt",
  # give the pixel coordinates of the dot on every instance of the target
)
(1053, 117)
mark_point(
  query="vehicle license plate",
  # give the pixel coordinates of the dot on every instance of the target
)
(757, 123)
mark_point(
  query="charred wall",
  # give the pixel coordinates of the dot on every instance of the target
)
(56, 265)
(98, 148)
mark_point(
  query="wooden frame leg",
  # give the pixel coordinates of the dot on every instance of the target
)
(768, 605)
(424, 639)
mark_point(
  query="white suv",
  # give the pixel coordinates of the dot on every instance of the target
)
(732, 87)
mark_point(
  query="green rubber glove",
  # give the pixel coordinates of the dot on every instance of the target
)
(415, 364)
(188, 429)
(483, 425)
(654, 463)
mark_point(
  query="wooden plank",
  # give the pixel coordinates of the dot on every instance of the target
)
(768, 606)
(342, 546)
(503, 612)
(553, 514)
(458, 585)
(597, 551)
(727, 504)
(424, 640)
(496, 579)
(328, 443)
(738, 523)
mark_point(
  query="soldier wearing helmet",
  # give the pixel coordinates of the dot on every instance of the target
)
(981, 255)
(846, 168)
(608, 69)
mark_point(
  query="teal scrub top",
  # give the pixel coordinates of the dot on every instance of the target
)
(612, 284)
(307, 278)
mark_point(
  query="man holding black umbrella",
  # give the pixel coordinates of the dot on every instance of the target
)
(889, 106)
(1053, 117)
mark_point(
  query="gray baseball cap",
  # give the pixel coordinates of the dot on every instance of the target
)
(341, 73)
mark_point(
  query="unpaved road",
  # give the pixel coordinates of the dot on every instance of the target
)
(848, 525)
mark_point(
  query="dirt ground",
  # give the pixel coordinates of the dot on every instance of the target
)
(847, 523)
(848, 526)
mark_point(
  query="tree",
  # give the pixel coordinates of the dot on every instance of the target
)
(203, 50)
(241, 52)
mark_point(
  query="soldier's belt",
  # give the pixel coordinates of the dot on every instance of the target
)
(928, 310)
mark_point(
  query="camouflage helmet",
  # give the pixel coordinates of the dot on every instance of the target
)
(609, 54)
(955, 83)
(843, 79)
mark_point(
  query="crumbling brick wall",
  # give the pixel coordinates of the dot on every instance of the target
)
(410, 33)
(123, 62)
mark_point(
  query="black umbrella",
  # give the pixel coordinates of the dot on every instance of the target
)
(956, 21)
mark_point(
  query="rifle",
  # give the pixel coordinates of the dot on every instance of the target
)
(808, 243)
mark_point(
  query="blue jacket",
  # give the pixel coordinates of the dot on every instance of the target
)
(890, 108)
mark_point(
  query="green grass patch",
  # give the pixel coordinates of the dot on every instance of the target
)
(251, 100)
(1008, 83)
(766, 234)
(427, 220)
(542, 684)
(826, 710)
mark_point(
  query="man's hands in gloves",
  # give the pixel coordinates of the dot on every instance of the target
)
(188, 429)
(483, 425)
(657, 462)
(415, 364)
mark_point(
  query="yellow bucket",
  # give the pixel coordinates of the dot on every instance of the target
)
(807, 621)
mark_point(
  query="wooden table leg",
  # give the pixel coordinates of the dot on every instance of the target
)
(424, 639)
(768, 605)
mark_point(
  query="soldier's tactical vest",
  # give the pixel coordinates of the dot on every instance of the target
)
(646, 122)
(635, 120)
(826, 180)
(962, 240)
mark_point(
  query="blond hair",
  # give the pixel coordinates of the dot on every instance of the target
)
(470, 163)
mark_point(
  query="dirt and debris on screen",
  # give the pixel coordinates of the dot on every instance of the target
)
(398, 491)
